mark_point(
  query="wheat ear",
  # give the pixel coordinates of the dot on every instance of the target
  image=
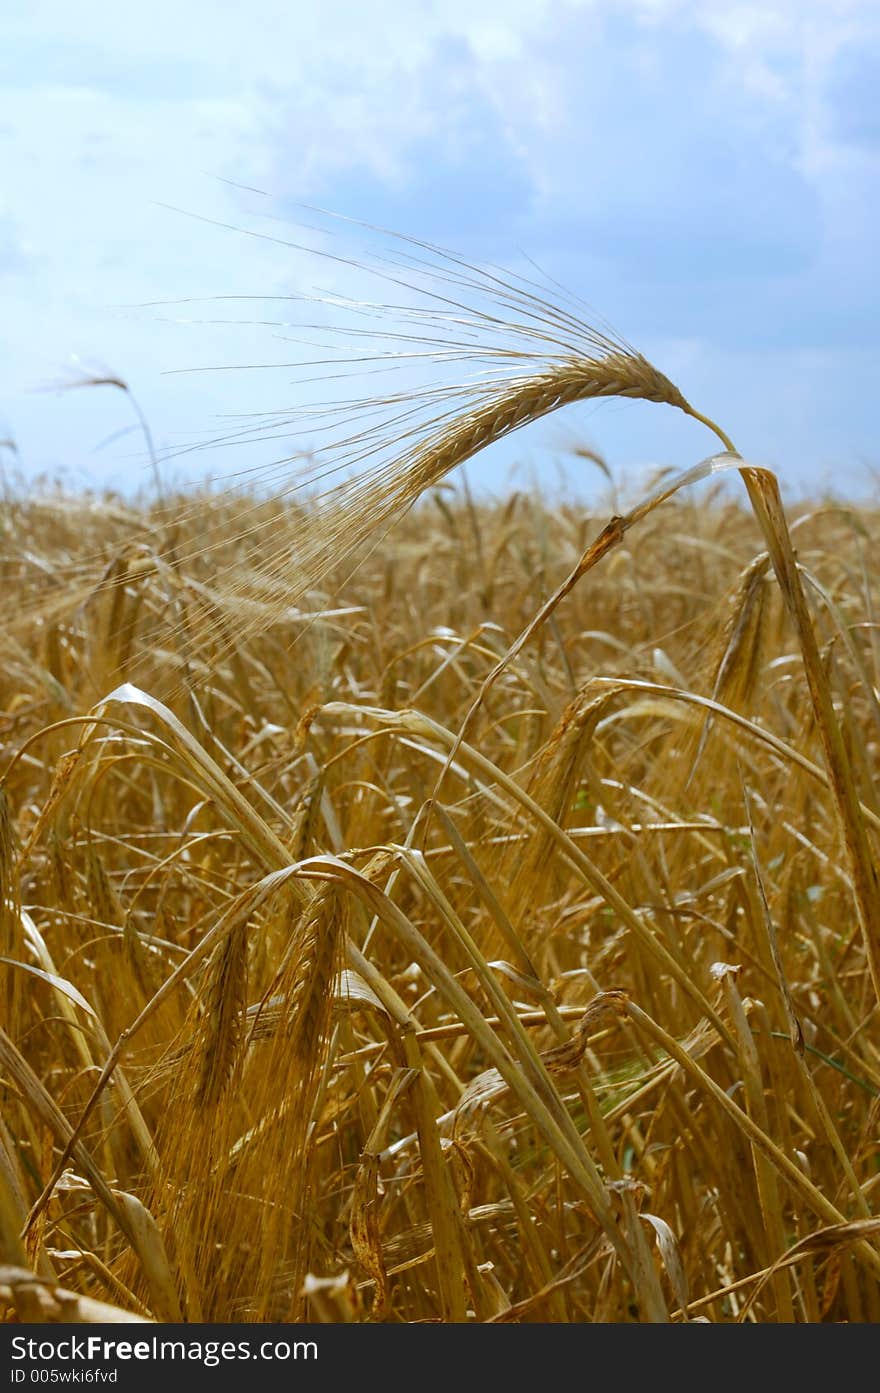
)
(619, 373)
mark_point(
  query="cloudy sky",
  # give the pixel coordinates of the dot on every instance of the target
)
(704, 174)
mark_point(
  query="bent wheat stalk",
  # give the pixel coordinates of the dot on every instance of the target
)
(631, 375)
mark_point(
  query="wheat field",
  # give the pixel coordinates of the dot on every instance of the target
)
(484, 931)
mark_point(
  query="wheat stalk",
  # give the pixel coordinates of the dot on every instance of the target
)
(496, 352)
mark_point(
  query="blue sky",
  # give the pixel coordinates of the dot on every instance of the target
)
(704, 175)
